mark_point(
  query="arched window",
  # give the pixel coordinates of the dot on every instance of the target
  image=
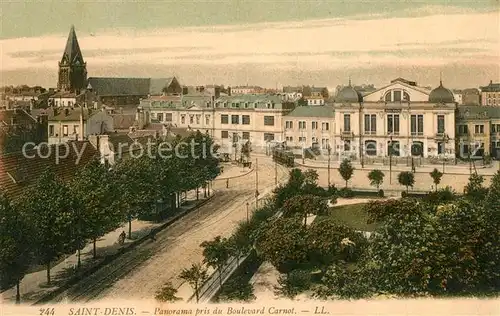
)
(388, 96)
(406, 96)
(370, 148)
(393, 148)
(417, 149)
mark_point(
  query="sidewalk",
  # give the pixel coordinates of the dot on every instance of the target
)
(448, 169)
(33, 286)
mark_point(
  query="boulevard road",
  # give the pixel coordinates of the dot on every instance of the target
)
(139, 273)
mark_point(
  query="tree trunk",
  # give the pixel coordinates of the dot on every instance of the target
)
(18, 294)
(346, 183)
(196, 294)
(94, 250)
(79, 262)
(48, 273)
(197, 194)
(129, 227)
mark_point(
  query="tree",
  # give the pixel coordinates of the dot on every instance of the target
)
(303, 205)
(245, 151)
(47, 205)
(16, 243)
(97, 197)
(195, 276)
(407, 179)
(216, 253)
(474, 189)
(346, 170)
(436, 176)
(241, 239)
(376, 178)
(293, 283)
(167, 294)
(283, 243)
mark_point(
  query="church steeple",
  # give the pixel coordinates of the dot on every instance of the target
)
(72, 67)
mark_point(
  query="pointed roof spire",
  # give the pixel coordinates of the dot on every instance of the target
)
(349, 81)
(440, 78)
(72, 51)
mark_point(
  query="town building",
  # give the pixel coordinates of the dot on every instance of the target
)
(400, 120)
(76, 124)
(490, 94)
(17, 128)
(238, 90)
(309, 126)
(471, 96)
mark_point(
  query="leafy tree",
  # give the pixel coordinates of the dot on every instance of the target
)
(216, 253)
(330, 242)
(298, 183)
(342, 281)
(407, 179)
(245, 151)
(293, 283)
(241, 240)
(195, 276)
(474, 189)
(283, 243)
(303, 205)
(346, 170)
(236, 289)
(47, 205)
(16, 243)
(436, 176)
(97, 197)
(167, 294)
(376, 178)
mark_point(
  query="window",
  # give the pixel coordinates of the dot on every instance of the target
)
(224, 119)
(207, 119)
(289, 139)
(302, 124)
(168, 117)
(440, 148)
(406, 96)
(393, 148)
(235, 119)
(160, 117)
(224, 134)
(183, 119)
(417, 124)
(440, 124)
(388, 97)
(314, 140)
(314, 125)
(325, 126)
(370, 148)
(347, 122)
(246, 135)
(269, 121)
(268, 136)
(495, 128)
(288, 125)
(417, 149)
(463, 129)
(347, 145)
(393, 124)
(479, 129)
(324, 143)
(245, 119)
(397, 96)
(302, 139)
(235, 137)
(51, 130)
(191, 119)
(370, 123)
(198, 118)
(65, 130)
(75, 129)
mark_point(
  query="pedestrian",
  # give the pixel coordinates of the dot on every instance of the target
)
(122, 238)
(152, 235)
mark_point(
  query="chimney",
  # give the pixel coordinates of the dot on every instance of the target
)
(491, 82)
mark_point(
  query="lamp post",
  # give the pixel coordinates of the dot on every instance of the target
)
(329, 153)
(445, 140)
(390, 160)
(248, 218)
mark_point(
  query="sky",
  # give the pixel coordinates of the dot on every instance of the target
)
(258, 42)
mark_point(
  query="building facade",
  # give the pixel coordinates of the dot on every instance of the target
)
(490, 94)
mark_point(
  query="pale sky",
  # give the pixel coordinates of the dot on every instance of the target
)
(268, 43)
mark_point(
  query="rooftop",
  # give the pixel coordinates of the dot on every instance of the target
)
(313, 111)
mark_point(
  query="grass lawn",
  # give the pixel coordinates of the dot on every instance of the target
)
(353, 216)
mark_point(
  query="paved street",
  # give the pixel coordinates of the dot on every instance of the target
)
(141, 272)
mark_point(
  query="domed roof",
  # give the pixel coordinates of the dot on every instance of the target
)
(441, 95)
(349, 95)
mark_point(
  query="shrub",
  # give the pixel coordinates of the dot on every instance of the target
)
(293, 283)
(332, 190)
(167, 294)
(346, 193)
(441, 196)
(404, 194)
(381, 193)
(236, 289)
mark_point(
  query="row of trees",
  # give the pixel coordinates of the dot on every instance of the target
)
(422, 247)
(56, 218)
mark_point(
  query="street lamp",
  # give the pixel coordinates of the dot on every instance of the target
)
(390, 159)
(445, 139)
(329, 153)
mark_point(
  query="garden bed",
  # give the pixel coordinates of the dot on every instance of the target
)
(352, 215)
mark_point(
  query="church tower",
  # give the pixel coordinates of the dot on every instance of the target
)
(72, 69)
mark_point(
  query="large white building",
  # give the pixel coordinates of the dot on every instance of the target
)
(411, 120)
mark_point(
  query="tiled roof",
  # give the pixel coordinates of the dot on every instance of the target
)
(492, 87)
(68, 114)
(156, 85)
(312, 111)
(120, 86)
(18, 172)
(116, 139)
(123, 121)
(63, 94)
(478, 112)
